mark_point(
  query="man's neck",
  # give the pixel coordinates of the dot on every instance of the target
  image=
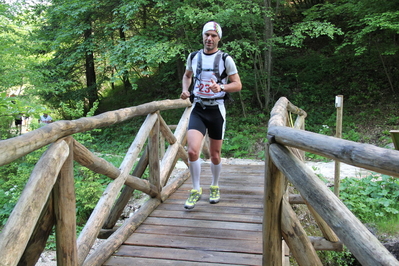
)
(210, 51)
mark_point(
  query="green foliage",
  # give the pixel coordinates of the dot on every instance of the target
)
(51, 242)
(351, 135)
(312, 29)
(89, 187)
(13, 107)
(388, 226)
(334, 258)
(371, 198)
(245, 137)
(316, 157)
(76, 112)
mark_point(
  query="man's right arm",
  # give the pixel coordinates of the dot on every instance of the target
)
(186, 82)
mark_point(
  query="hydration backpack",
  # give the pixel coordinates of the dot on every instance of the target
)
(219, 77)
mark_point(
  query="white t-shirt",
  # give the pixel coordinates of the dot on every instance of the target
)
(45, 120)
(201, 85)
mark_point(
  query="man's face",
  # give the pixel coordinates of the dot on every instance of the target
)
(211, 40)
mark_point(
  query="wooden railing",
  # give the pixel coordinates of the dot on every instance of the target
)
(49, 196)
(338, 225)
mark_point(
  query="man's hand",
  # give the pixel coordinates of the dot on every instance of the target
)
(184, 95)
(215, 88)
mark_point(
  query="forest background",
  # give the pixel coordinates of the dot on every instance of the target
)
(68, 57)
(81, 58)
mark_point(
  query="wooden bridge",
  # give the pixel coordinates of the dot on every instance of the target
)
(254, 223)
(228, 233)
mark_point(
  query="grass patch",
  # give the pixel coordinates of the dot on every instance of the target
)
(388, 227)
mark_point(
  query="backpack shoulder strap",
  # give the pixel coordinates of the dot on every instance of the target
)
(192, 55)
(224, 73)
(216, 65)
(199, 62)
(216, 62)
(199, 68)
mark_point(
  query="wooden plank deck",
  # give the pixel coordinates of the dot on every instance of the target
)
(227, 233)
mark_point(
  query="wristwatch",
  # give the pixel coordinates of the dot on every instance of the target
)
(222, 87)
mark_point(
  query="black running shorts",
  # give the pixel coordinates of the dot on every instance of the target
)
(212, 118)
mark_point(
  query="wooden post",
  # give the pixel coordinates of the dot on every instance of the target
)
(339, 103)
(395, 138)
(21, 223)
(65, 212)
(327, 232)
(296, 238)
(153, 156)
(168, 161)
(38, 240)
(165, 134)
(274, 189)
(161, 146)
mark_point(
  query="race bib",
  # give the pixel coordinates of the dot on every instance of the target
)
(203, 89)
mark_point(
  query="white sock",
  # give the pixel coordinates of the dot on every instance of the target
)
(216, 169)
(195, 171)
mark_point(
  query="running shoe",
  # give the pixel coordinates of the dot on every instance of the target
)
(214, 196)
(195, 196)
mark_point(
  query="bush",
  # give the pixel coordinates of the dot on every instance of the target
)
(371, 198)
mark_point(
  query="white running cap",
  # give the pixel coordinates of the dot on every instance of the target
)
(212, 25)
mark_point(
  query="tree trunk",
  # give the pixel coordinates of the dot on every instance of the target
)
(91, 82)
(268, 53)
(125, 75)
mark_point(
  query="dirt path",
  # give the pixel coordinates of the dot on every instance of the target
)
(327, 169)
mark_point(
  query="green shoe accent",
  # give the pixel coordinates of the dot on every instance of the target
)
(195, 196)
(214, 196)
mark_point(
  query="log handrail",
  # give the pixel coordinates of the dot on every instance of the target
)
(12, 149)
(366, 156)
(23, 238)
(282, 161)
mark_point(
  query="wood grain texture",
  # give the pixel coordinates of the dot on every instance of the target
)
(228, 233)
(359, 240)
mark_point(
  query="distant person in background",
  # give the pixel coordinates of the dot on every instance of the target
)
(26, 120)
(18, 123)
(18, 120)
(45, 119)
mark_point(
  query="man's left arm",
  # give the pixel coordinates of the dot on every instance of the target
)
(234, 85)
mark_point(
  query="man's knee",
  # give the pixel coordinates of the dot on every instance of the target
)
(215, 158)
(193, 155)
